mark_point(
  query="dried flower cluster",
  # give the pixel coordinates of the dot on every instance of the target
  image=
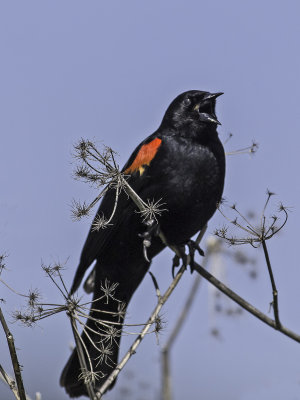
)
(264, 230)
(2, 262)
(77, 311)
(101, 169)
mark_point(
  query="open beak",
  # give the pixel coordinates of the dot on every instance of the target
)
(211, 116)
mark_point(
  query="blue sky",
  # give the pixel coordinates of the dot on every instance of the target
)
(107, 71)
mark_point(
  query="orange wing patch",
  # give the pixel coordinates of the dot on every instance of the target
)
(144, 156)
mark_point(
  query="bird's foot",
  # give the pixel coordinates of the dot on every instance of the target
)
(193, 247)
(180, 256)
(187, 259)
(151, 230)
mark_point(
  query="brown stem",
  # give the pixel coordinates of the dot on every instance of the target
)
(141, 336)
(166, 375)
(11, 383)
(14, 357)
(81, 357)
(274, 289)
(244, 304)
(165, 353)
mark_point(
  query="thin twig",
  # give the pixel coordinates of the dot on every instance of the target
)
(166, 377)
(157, 290)
(14, 357)
(244, 304)
(10, 381)
(12, 384)
(183, 314)
(138, 340)
(274, 289)
(81, 356)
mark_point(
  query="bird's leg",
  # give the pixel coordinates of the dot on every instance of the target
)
(193, 246)
(152, 230)
(176, 263)
(176, 259)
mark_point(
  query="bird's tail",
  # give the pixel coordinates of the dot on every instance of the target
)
(99, 340)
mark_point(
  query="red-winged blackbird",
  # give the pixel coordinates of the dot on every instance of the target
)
(182, 164)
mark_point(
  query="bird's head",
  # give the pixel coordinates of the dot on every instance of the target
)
(192, 110)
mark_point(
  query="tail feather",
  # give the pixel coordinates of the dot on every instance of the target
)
(101, 348)
(102, 332)
(114, 282)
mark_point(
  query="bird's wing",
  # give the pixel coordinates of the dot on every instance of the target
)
(97, 240)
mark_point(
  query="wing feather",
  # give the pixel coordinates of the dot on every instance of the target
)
(97, 241)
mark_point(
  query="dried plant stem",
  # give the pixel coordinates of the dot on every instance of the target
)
(12, 384)
(144, 331)
(9, 380)
(166, 377)
(14, 357)
(244, 304)
(134, 196)
(81, 357)
(274, 289)
(183, 314)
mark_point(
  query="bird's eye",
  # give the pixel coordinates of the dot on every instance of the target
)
(187, 102)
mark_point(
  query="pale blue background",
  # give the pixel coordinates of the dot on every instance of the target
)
(108, 70)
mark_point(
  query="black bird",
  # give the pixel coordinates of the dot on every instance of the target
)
(183, 164)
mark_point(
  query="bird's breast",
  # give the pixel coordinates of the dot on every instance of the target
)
(191, 183)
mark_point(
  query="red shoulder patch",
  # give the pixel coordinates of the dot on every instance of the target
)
(144, 156)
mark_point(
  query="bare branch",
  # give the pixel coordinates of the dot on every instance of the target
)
(81, 357)
(244, 304)
(252, 149)
(10, 381)
(14, 357)
(144, 331)
(274, 289)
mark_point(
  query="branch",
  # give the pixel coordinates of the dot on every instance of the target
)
(10, 381)
(165, 352)
(12, 384)
(81, 357)
(14, 357)
(244, 304)
(141, 336)
(274, 289)
(166, 379)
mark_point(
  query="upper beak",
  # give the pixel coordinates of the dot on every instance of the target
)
(211, 96)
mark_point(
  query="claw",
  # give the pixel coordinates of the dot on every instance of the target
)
(176, 263)
(152, 230)
(186, 259)
(192, 255)
(195, 246)
(176, 259)
(146, 244)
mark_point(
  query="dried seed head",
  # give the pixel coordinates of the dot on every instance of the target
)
(79, 210)
(33, 297)
(2, 262)
(100, 222)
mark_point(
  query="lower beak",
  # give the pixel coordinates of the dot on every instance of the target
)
(205, 117)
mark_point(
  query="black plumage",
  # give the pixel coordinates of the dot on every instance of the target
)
(183, 165)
